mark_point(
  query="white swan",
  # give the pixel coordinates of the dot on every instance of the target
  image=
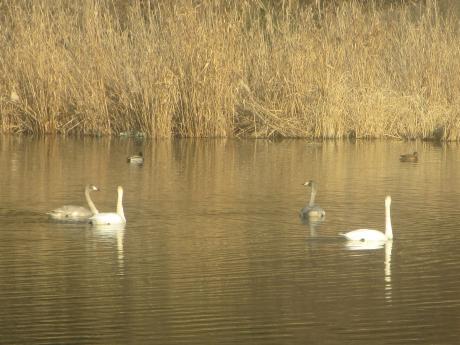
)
(311, 210)
(111, 218)
(373, 235)
(76, 213)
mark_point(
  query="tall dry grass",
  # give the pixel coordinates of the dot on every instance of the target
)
(215, 69)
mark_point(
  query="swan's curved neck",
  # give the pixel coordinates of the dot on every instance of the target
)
(120, 211)
(90, 202)
(312, 196)
(388, 228)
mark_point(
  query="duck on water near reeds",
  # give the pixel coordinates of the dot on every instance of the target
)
(311, 210)
(410, 157)
(71, 213)
(136, 159)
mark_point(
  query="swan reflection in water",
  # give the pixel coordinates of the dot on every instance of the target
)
(111, 233)
(369, 245)
(313, 225)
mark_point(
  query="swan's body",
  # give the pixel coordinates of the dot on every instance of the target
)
(311, 210)
(107, 218)
(365, 235)
(76, 213)
(111, 218)
(410, 157)
(136, 159)
(373, 235)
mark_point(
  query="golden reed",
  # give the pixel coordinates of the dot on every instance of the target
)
(217, 69)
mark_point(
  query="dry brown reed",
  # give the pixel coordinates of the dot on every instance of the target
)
(216, 69)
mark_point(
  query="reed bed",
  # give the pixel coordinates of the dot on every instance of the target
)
(217, 69)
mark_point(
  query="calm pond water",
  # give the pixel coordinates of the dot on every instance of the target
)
(214, 252)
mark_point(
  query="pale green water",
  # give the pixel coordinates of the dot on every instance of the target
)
(214, 252)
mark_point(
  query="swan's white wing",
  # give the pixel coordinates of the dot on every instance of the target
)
(364, 235)
(106, 219)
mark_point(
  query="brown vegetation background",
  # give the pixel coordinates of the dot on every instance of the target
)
(315, 69)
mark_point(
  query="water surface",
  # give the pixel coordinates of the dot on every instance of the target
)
(214, 252)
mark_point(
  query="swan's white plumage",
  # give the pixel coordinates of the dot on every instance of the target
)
(373, 235)
(365, 235)
(76, 213)
(111, 218)
(70, 212)
(106, 218)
